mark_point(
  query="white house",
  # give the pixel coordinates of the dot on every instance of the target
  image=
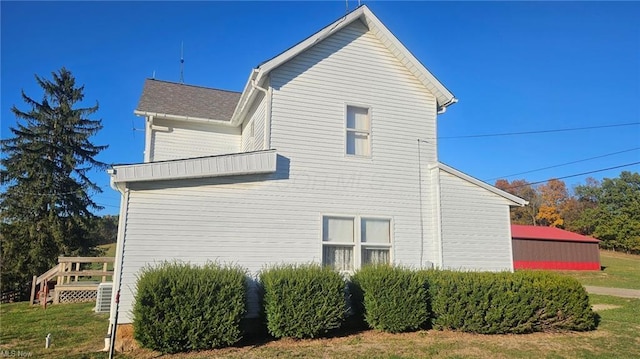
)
(328, 156)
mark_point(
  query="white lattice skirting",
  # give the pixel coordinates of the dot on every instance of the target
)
(77, 296)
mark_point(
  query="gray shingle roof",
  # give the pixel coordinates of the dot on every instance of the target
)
(172, 98)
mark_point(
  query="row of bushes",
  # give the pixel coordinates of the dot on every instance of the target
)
(180, 307)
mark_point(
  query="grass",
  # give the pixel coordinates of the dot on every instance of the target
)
(620, 271)
(76, 331)
(617, 337)
(110, 249)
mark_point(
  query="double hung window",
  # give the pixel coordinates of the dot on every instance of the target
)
(351, 242)
(358, 127)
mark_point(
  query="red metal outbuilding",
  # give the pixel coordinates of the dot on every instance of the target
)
(537, 247)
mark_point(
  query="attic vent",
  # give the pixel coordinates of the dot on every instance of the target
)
(103, 298)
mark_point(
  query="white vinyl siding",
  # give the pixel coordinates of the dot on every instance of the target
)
(253, 128)
(310, 95)
(352, 67)
(172, 139)
(475, 227)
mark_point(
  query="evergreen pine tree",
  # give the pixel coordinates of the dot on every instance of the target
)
(46, 205)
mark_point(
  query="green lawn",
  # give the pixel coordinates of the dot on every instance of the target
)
(621, 271)
(110, 249)
(76, 331)
(618, 336)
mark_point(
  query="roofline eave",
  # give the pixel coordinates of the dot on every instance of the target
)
(182, 118)
(515, 199)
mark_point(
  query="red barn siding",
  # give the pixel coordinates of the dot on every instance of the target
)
(553, 248)
(546, 254)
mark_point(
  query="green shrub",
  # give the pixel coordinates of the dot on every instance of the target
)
(394, 299)
(302, 301)
(563, 303)
(180, 307)
(521, 302)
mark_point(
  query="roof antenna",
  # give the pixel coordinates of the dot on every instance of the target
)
(347, 4)
(153, 75)
(182, 62)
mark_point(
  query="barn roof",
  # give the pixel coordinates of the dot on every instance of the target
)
(547, 234)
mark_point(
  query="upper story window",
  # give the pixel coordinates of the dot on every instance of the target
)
(358, 136)
(351, 242)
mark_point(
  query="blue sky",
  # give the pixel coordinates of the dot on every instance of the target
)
(514, 66)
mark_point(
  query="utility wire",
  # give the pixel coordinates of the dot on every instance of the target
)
(564, 164)
(577, 174)
(540, 131)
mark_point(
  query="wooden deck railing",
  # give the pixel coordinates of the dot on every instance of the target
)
(68, 270)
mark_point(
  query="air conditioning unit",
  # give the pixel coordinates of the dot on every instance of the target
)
(103, 298)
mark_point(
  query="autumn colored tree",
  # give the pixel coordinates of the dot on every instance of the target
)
(553, 197)
(522, 188)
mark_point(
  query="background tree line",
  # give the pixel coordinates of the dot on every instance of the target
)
(608, 210)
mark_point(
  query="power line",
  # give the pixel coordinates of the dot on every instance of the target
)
(540, 131)
(108, 205)
(578, 174)
(564, 164)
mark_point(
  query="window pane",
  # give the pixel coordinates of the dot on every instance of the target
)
(358, 118)
(335, 229)
(357, 144)
(375, 256)
(376, 230)
(337, 257)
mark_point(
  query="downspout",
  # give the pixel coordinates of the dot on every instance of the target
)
(119, 260)
(268, 93)
(420, 204)
(147, 139)
(512, 269)
(439, 216)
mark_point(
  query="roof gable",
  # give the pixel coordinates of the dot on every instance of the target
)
(443, 96)
(514, 199)
(547, 233)
(174, 100)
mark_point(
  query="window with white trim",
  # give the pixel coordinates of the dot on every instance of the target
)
(358, 127)
(351, 242)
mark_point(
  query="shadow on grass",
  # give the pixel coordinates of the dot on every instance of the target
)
(256, 333)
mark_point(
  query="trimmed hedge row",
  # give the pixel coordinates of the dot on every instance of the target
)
(497, 303)
(180, 307)
(394, 299)
(302, 301)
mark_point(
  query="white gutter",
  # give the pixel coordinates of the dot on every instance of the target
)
(245, 98)
(116, 186)
(147, 138)
(183, 118)
(268, 93)
(443, 108)
(117, 270)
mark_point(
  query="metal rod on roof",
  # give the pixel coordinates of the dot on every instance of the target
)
(182, 62)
